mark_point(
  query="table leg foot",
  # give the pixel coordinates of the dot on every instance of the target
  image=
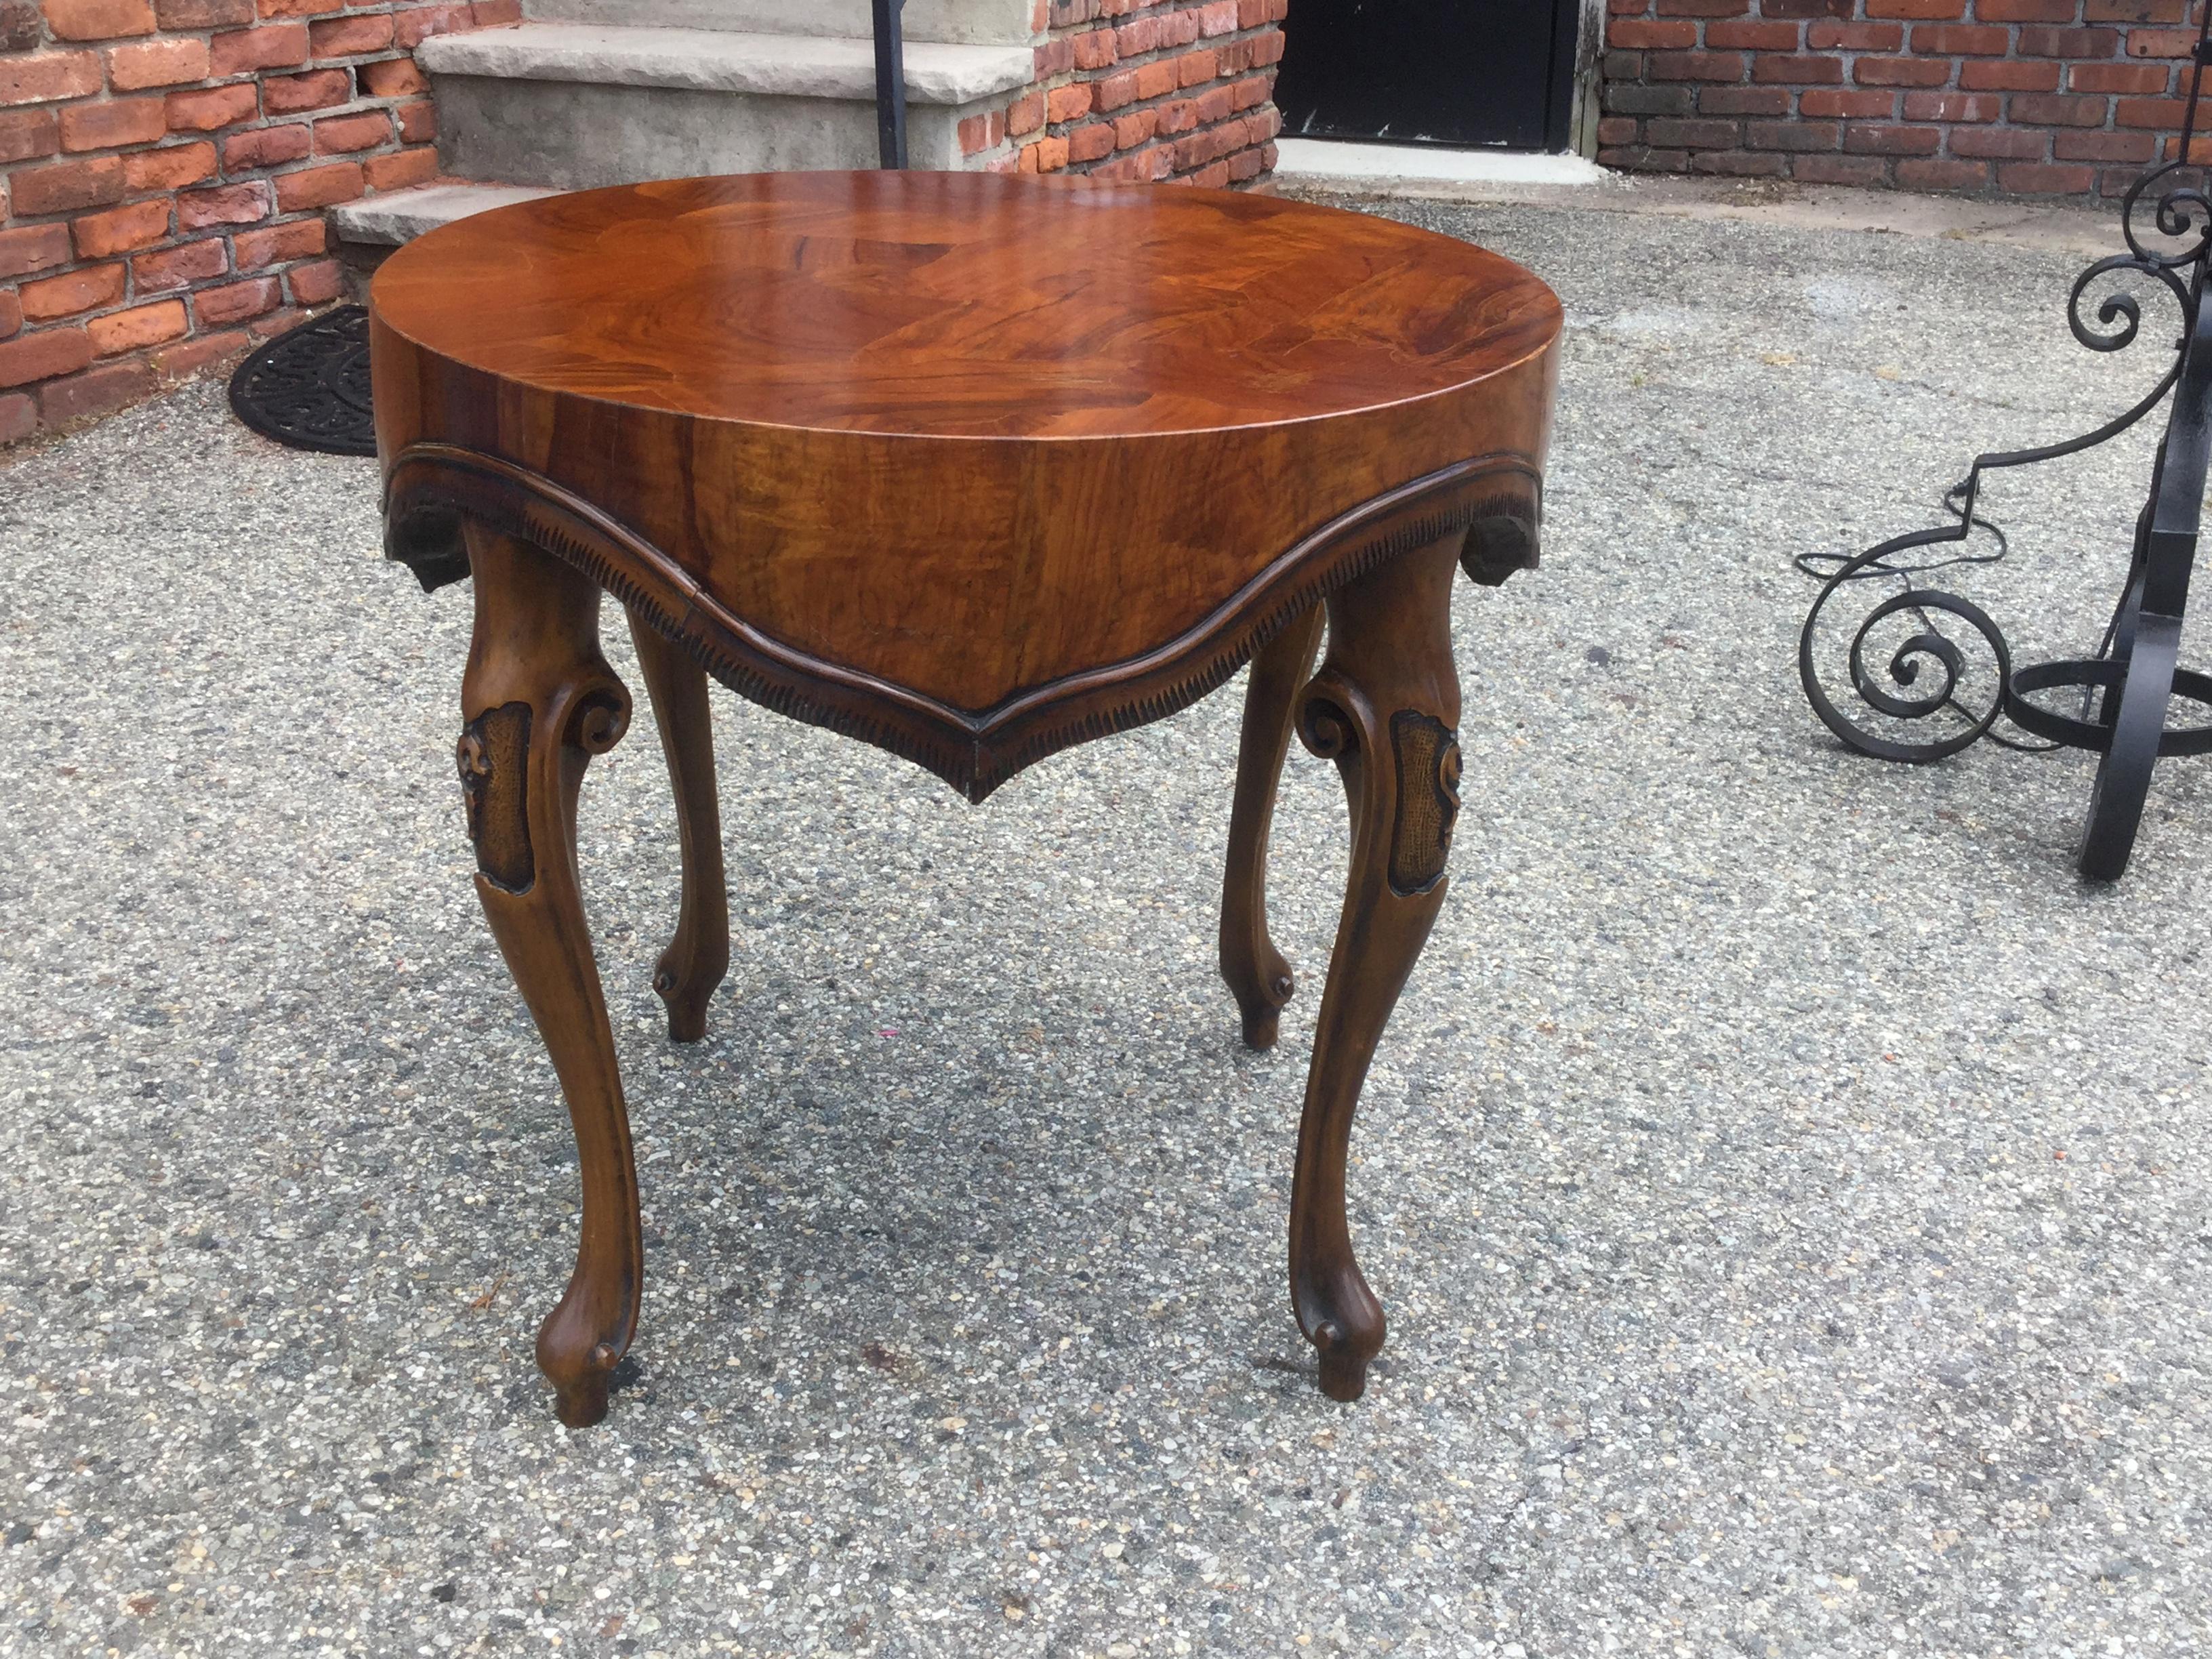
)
(539, 703)
(1383, 707)
(1258, 977)
(698, 957)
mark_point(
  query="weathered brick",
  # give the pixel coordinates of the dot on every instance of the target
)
(1953, 107)
(2008, 75)
(33, 247)
(11, 314)
(27, 133)
(2038, 109)
(317, 186)
(120, 230)
(2000, 143)
(978, 133)
(20, 28)
(342, 135)
(156, 63)
(265, 147)
(137, 328)
(67, 186)
(215, 106)
(187, 355)
(169, 168)
(1893, 141)
(112, 124)
(42, 354)
(98, 19)
(2045, 179)
(179, 267)
(19, 416)
(1922, 172)
(2137, 79)
(315, 284)
(287, 94)
(224, 204)
(204, 14)
(392, 77)
(1901, 71)
(89, 287)
(96, 392)
(234, 302)
(43, 78)
(401, 169)
(1091, 141)
(418, 121)
(348, 37)
(256, 250)
(273, 46)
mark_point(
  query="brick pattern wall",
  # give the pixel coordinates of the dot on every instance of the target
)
(2022, 97)
(164, 167)
(1174, 90)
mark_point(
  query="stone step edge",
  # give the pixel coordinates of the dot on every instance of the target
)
(713, 60)
(957, 22)
(399, 216)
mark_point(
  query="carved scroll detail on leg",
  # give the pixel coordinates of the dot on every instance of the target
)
(537, 650)
(1258, 976)
(699, 954)
(1390, 648)
(1427, 753)
(492, 757)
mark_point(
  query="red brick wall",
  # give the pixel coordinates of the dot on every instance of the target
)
(2024, 97)
(164, 166)
(1179, 90)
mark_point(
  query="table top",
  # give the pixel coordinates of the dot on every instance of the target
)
(968, 305)
(972, 466)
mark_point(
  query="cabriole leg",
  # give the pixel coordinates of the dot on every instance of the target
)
(699, 954)
(540, 701)
(1385, 707)
(1258, 977)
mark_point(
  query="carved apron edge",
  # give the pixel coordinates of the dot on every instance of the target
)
(974, 751)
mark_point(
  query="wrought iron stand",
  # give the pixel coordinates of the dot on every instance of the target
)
(2127, 687)
(891, 83)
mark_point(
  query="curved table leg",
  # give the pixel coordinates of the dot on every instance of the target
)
(699, 954)
(1258, 977)
(1384, 707)
(540, 701)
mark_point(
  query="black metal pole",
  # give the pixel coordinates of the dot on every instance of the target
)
(890, 84)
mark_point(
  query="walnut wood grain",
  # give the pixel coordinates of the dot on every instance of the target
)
(992, 464)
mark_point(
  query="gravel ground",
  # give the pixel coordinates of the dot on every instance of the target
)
(1787, 1182)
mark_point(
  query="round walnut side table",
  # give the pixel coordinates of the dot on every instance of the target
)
(973, 468)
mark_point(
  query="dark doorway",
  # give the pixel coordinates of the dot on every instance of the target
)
(1464, 72)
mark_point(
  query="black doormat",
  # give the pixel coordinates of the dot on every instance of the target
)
(309, 388)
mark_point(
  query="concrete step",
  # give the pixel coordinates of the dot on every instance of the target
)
(962, 22)
(573, 106)
(402, 216)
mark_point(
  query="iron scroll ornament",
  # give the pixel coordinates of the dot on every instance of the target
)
(2126, 687)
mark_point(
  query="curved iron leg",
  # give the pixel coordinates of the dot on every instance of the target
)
(2138, 722)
